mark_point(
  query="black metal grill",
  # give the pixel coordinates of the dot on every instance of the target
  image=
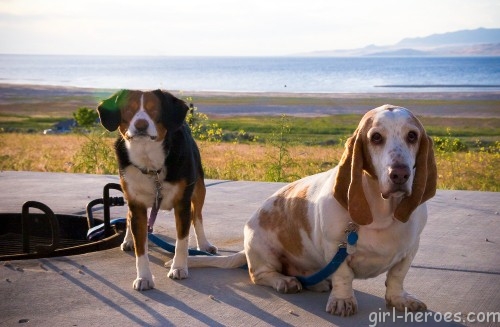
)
(36, 235)
(11, 243)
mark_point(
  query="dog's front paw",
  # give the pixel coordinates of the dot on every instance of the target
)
(288, 284)
(127, 246)
(342, 307)
(405, 300)
(144, 284)
(178, 273)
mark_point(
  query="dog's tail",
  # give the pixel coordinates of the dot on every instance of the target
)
(219, 261)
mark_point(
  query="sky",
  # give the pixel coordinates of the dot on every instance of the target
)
(228, 27)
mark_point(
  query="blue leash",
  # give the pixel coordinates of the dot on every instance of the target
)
(97, 232)
(323, 274)
(344, 250)
(171, 248)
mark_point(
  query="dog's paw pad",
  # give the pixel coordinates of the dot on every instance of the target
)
(342, 307)
(143, 284)
(288, 285)
(178, 273)
(400, 302)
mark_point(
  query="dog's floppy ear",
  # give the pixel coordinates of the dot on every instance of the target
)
(174, 110)
(109, 111)
(424, 183)
(348, 189)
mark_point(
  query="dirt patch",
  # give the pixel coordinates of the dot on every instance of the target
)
(62, 101)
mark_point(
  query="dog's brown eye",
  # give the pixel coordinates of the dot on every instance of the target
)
(412, 137)
(127, 114)
(377, 138)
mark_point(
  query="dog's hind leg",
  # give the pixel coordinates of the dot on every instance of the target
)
(264, 264)
(264, 272)
(128, 240)
(197, 201)
(182, 213)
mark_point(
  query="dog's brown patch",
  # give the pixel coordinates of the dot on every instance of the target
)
(138, 220)
(198, 199)
(288, 217)
(182, 211)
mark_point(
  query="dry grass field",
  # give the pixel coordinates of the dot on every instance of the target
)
(318, 121)
(470, 170)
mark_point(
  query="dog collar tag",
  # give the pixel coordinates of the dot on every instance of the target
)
(352, 238)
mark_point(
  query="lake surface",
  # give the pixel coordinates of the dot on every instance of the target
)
(257, 74)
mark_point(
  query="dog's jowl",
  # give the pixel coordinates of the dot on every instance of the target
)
(160, 168)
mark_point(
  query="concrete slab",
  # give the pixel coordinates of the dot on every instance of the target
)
(456, 272)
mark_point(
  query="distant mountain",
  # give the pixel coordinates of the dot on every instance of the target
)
(478, 42)
(465, 37)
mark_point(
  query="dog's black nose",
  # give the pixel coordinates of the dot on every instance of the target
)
(141, 125)
(399, 174)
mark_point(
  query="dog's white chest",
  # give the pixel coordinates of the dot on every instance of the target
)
(146, 153)
(142, 188)
(378, 250)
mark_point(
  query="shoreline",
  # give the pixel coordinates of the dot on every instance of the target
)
(420, 95)
(33, 98)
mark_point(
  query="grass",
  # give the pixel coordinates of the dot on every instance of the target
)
(477, 170)
(471, 170)
(314, 144)
(251, 161)
(23, 123)
(323, 130)
(329, 130)
(35, 152)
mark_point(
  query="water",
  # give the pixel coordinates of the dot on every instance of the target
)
(257, 74)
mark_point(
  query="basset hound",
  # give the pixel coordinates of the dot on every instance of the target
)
(160, 168)
(386, 174)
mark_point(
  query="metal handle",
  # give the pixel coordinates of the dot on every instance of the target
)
(90, 215)
(54, 224)
(107, 204)
(113, 201)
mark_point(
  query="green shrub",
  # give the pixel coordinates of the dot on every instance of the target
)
(85, 117)
(200, 126)
(449, 143)
(96, 156)
(280, 160)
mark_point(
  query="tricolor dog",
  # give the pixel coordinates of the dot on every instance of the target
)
(386, 174)
(160, 168)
